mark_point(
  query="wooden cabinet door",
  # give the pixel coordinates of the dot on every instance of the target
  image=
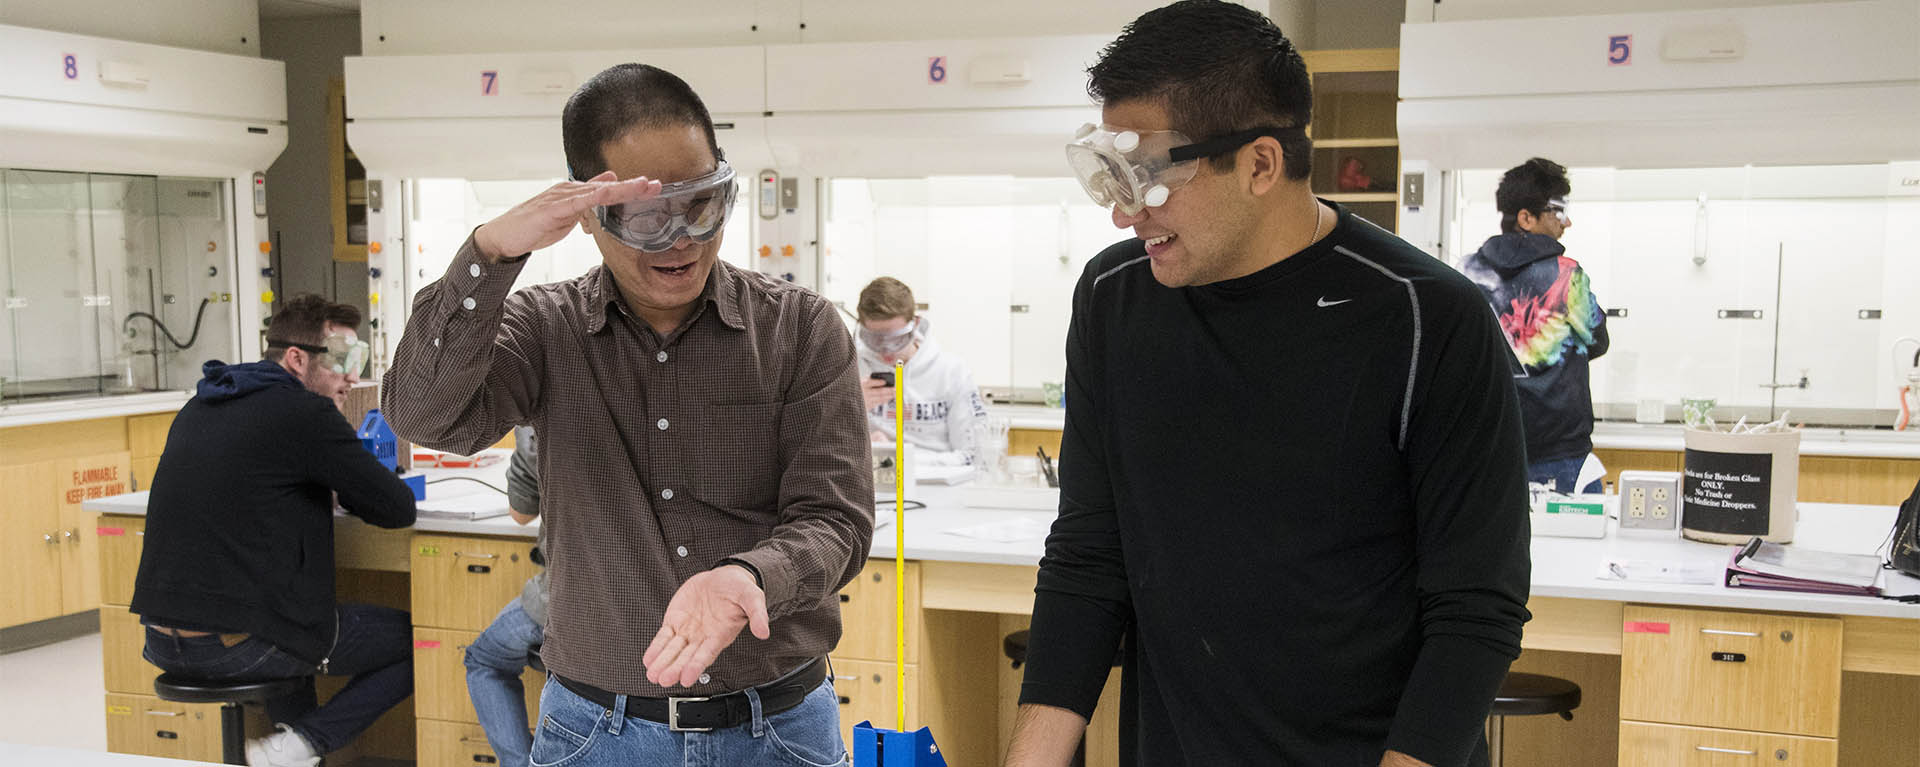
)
(868, 692)
(31, 548)
(85, 479)
(453, 744)
(866, 614)
(1665, 745)
(149, 726)
(121, 539)
(440, 677)
(1742, 671)
(461, 583)
(122, 639)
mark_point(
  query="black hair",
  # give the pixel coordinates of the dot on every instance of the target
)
(1217, 68)
(303, 319)
(1528, 187)
(621, 99)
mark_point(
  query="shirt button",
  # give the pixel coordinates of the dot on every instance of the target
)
(682, 551)
(473, 269)
(661, 357)
(662, 423)
(436, 343)
(467, 302)
(667, 494)
(705, 678)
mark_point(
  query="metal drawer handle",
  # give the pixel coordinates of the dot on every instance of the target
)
(141, 533)
(846, 677)
(497, 556)
(1719, 632)
(472, 741)
(164, 713)
(48, 537)
(1723, 750)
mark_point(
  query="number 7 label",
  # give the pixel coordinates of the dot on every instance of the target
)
(1619, 50)
(487, 81)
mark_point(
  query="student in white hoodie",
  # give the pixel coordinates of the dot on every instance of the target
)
(943, 403)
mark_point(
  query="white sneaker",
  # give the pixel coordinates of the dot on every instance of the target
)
(282, 749)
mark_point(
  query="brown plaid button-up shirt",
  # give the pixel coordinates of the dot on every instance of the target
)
(741, 435)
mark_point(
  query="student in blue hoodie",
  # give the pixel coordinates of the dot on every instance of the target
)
(1552, 320)
(236, 575)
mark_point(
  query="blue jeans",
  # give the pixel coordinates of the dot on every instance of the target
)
(375, 647)
(1561, 473)
(576, 732)
(494, 662)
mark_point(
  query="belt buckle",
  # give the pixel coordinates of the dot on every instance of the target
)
(673, 715)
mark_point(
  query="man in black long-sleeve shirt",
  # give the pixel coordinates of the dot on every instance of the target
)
(236, 574)
(1293, 472)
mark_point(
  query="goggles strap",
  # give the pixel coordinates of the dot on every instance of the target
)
(1224, 144)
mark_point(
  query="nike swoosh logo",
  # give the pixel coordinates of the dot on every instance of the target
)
(1324, 303)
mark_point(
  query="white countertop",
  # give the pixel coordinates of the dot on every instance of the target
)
(17, 755)
(948, 531)
(1612, 435)
(62, 411)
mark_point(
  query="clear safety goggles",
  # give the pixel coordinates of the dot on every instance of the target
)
(1558, 207)
(341, 354)
(695, 209)
(1133, 170)
(886, 344)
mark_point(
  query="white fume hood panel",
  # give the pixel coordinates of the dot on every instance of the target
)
(729, 80)
(1787, 45)
(508, 148)
(1009, 142)
(198, 113)
(1817, 84)
(73, 69)
(932, 74)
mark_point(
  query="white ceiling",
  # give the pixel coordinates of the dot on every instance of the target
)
(286, 9)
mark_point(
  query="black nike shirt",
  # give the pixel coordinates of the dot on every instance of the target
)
(1301, 496)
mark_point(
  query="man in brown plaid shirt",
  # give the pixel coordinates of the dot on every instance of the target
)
(703, 452)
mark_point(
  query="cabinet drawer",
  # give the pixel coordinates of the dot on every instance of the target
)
(121, 539)
(866, 614)
(869, 693)
(1665, 745)
(149, 726)
(452, 744)
(121, 640)
(440, 678)
(1743, 671)
(461, 583)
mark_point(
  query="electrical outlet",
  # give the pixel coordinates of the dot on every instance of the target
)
(1652, 500)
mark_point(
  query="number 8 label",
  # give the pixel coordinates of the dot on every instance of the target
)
(71, 66)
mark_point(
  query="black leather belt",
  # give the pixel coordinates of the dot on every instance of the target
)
(715, 712)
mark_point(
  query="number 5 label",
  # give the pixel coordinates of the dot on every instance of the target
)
(1619, 50)
(937, 70)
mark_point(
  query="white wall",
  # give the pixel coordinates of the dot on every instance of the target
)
(222, 26)
(1342, 24)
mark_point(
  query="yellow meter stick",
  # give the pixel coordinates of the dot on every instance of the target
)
(900, 543)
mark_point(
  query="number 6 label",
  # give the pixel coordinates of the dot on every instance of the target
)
(937, 70)
(1619, 50)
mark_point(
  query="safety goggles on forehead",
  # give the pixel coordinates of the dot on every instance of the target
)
(1133, 170)
(340, 354)
(696, 209)
(893, 342)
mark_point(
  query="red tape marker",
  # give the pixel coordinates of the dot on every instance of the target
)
(1645, 627)
(111, 530)
(426, 644)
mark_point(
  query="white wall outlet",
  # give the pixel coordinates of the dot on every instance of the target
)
(1650, 500)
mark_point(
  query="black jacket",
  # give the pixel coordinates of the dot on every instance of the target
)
(1555, 327)
(240, 519)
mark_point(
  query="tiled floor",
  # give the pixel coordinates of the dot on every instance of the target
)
(52, 696)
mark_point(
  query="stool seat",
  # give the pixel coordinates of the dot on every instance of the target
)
(1525, 694)
(186, 689)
